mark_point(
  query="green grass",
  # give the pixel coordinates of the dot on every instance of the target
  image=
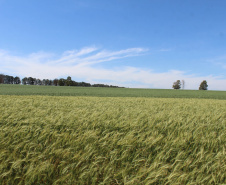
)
(111, 140)
(108, 92)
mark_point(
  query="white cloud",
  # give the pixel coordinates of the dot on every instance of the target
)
(81, 64)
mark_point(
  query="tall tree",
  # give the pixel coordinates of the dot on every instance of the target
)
(55, 82)
(61, 82)
(8, 79)
(2, 76)
(45, 81)
(38, 82)
(50, 82)
(17, 80)
(177, 84)
(203, 85)
(68, 81)
(25, 81)
(31, 81)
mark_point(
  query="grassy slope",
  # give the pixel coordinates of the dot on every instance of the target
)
(108, 92)
(92, 140)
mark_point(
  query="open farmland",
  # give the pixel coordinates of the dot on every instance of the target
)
(108, 92)
(111, 140)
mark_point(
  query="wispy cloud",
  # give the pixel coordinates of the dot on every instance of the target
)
(82, 64)
(91, 55)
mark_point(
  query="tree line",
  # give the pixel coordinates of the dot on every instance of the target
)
(178, 84)
(6, 79)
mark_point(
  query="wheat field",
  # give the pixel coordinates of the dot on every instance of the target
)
(41, 90)
(111, 140)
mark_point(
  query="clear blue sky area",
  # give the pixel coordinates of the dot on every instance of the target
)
(147, 43)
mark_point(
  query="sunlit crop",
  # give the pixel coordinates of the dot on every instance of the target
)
(101, 140)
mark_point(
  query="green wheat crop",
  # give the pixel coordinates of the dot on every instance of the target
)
(102, 140)
(6, 89)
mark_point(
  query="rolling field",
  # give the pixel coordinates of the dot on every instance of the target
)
(111, 140)
(108, 92)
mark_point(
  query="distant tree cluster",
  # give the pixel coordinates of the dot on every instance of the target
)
(103, 85)
(69, 82)
(60, 82)
(6, 79)
(178, 84)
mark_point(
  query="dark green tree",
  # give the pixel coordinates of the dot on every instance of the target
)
(38, 82)
(24, 81)
(62, 82)
(55, 82)
(203, 85)
(8, 79)
(177, 84)
(17, 80)
(31, 81)
(68, 81)
(2, 76)
(46, 81)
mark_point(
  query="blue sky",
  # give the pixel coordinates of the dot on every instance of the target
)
(144, 44)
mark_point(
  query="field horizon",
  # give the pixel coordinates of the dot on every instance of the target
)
(6, 89)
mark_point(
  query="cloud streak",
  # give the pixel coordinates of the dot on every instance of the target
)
(91, 55)
(82, 64)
